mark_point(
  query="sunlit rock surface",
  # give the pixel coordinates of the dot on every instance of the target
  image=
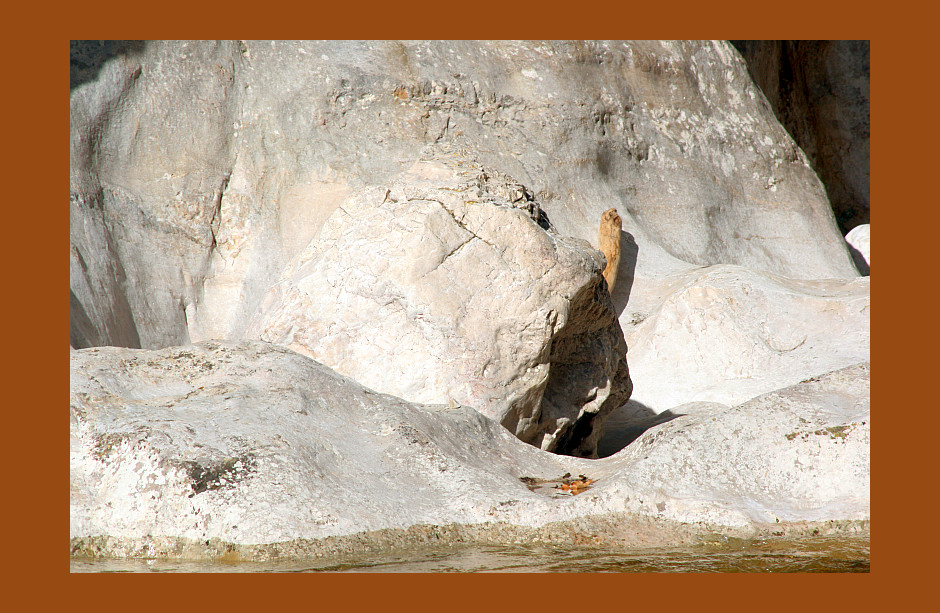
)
(249, 444)
(799, 453)
(444, 287)
(199, 169)
(206, 176)
(726, 334)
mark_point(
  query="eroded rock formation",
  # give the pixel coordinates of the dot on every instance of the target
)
(306, 454)
(729, 334)
(199, 169)
(418, 215)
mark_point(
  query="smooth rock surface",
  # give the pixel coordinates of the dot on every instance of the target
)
(799, 453)
(444, 286)
(726, 334)
(199, 169)
(250, 443)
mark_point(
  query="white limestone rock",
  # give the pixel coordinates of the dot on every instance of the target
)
(199, 169)
(250, 444)
(802, 453)
(727, 334)
(859, 238)
(254, 443)
(443, 287)
(150, 159)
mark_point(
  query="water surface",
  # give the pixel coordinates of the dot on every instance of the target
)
(805, 555)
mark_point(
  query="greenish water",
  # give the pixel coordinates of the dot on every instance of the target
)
(805, 555)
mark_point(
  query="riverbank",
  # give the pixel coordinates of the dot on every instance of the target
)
(843, 553)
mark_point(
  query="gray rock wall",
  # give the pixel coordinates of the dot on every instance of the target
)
(150, 158)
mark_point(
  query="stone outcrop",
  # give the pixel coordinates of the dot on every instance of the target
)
(199, 169)
(821, 91)
(801, 453)
(150, 157)
(253, 449)
(419, 216)
(444, 287)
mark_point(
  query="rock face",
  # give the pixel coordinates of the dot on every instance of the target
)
(726, 334)
(419, 216)
(254, 443)
(199, 169)
(444, 286)
(150, 159)
(247, 444)
(799, 453)
(821, 92)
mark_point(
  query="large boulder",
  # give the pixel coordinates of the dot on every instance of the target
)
(444, 287)
(254, 450)
(253, 443)
(199, 169)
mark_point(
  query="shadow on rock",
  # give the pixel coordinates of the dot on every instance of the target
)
(863, 268)
(624, 282)
(86, 57)
(627, 423)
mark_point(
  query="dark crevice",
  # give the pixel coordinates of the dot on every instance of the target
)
(82, 332)
(86, 57)
(863, 268)
(620, 433)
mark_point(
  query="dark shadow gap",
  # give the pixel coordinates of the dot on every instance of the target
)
(859, 259)
(628, 423)
(82, 332)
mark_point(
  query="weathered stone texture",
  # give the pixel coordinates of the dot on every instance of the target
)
(150, 158)
(420, 216)
(250, 443)
(444, 286)
(726, 334)
(201, 168)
